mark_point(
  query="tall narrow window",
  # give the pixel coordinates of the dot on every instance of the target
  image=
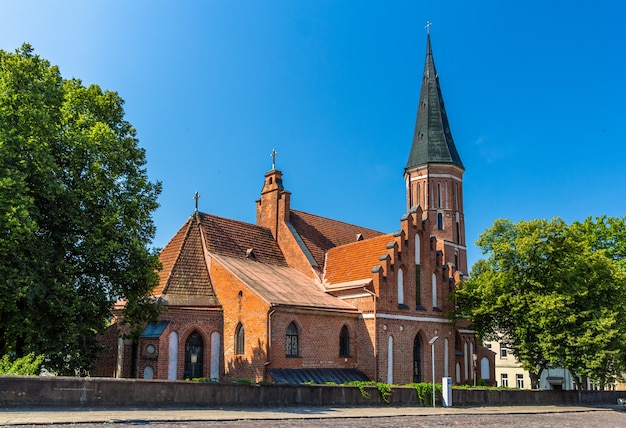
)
(400, 287)
(447, 203)
(418, 286)
(390, 360)
(417, 359)
(240, 340)
(438, 195)
(291, 344)
(439, 221)
(456, 196)
(434, 291)
(344, 342)
(419, 194)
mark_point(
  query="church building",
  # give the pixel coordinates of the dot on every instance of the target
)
(301, 298)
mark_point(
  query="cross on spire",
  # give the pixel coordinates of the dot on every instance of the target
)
(196, 197)
(273, 156)
(427, 26)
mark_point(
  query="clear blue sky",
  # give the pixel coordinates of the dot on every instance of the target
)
(535, 92)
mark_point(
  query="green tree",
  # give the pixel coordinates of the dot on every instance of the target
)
(75, 214)
(554, 294)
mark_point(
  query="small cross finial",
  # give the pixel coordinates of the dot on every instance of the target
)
(196, 197)
(273, 156)
(427, 26)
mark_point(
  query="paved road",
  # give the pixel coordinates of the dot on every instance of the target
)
(526, 416)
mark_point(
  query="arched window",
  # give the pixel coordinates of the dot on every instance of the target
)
(417, 359)
(400, 287)
(194, 356)
(439, 221)
(344, 342)
(434, 290)
(291, 344)
(240, 340)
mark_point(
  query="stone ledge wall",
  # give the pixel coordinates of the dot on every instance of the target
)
(18, 391)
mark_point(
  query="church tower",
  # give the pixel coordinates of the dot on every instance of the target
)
(434, 171)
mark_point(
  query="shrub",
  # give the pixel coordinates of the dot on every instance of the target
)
(28, 365)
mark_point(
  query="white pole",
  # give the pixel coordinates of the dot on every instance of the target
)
(432, 353)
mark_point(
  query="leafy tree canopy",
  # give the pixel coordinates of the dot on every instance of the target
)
(554, 294)
(75, 214)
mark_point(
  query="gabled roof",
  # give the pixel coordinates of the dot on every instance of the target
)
(185, 271)
(320, 234)
(228, 242)
(352, 262)
(432, 139)
(184, 267)
(281, 285)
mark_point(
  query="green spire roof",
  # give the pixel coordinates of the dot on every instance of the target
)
(432, 139)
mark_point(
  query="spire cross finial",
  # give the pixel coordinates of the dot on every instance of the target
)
(427, 26)
(273, 156)
(196, 197)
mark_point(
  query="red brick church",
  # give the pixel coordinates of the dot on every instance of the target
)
(301, 298)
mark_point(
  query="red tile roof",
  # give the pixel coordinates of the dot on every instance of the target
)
(282, 285)
(234, 238)
(321, 234)
(355, 261)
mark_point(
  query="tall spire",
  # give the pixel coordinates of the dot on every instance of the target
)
(432, 139)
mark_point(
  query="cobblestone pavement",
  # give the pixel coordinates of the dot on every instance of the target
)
(479, 417)
(578, 419)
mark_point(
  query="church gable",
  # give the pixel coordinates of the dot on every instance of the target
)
(185, 272)
(320, 234)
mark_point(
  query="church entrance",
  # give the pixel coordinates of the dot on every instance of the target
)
(194, 353)
(417, 359)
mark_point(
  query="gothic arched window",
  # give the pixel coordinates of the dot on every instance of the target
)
(291, 344)
(344, 342)
(240, 340)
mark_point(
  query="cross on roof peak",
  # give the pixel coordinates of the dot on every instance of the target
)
(196, 196)
(273, 156)
(427, 26)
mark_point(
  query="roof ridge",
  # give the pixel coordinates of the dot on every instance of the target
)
(335, 220)
(362, 242)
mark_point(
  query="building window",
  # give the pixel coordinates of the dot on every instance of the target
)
(434, 290)
(438, 195)
(488, 345)
(344, 342)
(194, 356)
(291, 345)
(419, 194)
(240, 340)
(504, 380)
(439, 221)
(503, 351)
(400, 287)
(519, 378)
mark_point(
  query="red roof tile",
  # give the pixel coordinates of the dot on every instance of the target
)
(281, 285)
(234, 238)
(321, 234)
(355, 261)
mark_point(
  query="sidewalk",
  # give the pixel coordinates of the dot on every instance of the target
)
(132, 415)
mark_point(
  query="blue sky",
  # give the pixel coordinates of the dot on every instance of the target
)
(535, 92)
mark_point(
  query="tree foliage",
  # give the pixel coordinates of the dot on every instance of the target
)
(75, 214)
(554, 294)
